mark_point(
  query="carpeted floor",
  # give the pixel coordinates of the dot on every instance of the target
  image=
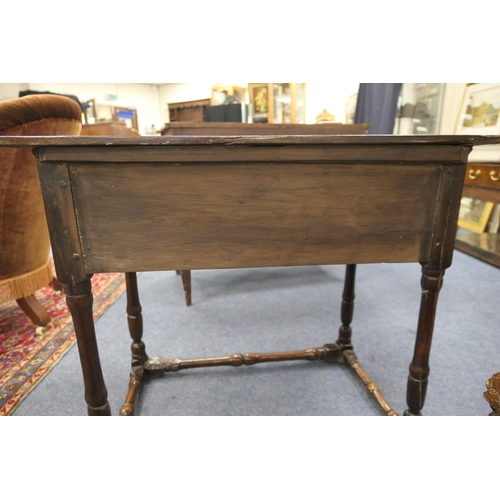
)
(273, 309)
(25, 356)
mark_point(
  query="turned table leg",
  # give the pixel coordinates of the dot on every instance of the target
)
(139, 356)
(186, 283)
(79, 299)
(347, 309)
(431, 282)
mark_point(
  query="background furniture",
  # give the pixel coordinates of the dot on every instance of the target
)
(233, 113)
(482, 182)
(24, 237)
(419, 108)
(188, 111)
(225, 129)
(95, 113)
(279, 102)
(221, 91)
(108, 128)
(328, 200)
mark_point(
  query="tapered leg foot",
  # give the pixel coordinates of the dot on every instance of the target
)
(186, 283)
(79, 299)
(134, 384)
(102, 411)
(431, 282)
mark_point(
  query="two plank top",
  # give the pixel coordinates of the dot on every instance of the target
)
(165, 141)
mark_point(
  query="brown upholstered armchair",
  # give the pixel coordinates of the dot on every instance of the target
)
(24, 237)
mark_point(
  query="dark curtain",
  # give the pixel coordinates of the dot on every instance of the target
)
(377, 104)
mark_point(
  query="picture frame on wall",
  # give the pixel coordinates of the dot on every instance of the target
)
(474, 214)
(480, 115)
(480, 110)
(260, 97)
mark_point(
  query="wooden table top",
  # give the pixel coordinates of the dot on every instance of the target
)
(165, 141)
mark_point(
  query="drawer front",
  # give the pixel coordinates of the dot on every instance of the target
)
(483, 175)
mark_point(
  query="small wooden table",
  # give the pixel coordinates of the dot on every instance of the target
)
(128, 204)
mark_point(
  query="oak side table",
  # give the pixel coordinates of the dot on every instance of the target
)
(131, 204)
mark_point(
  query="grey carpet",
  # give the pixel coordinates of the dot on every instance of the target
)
(287, 309)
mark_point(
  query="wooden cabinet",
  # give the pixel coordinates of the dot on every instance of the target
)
(482, 182)
(188, 111)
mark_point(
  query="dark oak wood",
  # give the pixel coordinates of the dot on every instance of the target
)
(186, 283)
(139, 356)
(79, 299)
(347, 309)
(166, 143)
(129, 204)
(222, 128)
(419, 368)
(262, 214)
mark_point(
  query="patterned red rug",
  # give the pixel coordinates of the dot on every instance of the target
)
(25, 357)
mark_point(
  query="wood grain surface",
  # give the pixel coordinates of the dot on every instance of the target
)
(191, 216)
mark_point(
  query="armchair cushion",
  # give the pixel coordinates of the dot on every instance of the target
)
(24, 237)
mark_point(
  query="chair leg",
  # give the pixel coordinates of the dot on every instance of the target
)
(186, 282)
(56, 285)
(34, 310)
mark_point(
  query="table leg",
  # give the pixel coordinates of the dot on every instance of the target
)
(79, 299)
(347, 309)
(139, 356)
(186, 283)
(431, 283)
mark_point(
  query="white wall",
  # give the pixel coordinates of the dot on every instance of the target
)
(452, 101)
(151, 101)
(11, 90)
(179, 92)
(329, 95)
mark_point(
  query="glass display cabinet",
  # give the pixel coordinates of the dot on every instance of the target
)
(419, 108)
(278, 102)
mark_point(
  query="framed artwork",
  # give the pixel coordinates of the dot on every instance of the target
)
(480, 115)
(259, 98)
(480, 110)
(474, 214)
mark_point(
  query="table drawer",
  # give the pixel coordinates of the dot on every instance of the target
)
(483, 175)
